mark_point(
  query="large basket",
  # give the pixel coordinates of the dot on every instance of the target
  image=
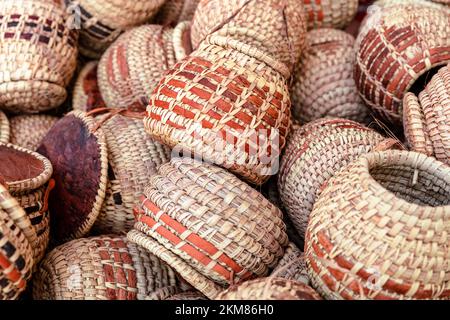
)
(399, 47)
(314, 154)
(270, 289)
(292, 266)
(323, 80)
(41, 51)
(208, 225)
(276, 28)
(26, 174)
(16, 253)
(330, 13)
(27, 131)
(102, 21)
(222, 104)
(86, 93)
(4, 128)
(132, 67)
(104, 268)
(426, 118)
(176, 11)
(380, 230)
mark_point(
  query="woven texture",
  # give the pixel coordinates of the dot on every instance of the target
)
(277, 28)
(208, 225)
(398, 45)
(27, 131)
(16, 254)
(426, 118)
(314, 154)
(226, 106)
(323, 80)
(104, 268)
(176, 11)
(86, 93)
(377, 226)
(133, 158)
(102, 21)
(330, 13)
(41, 52)
(292, 266)
(187, 296)
(270, 289)
(4, 128)
(132, 67)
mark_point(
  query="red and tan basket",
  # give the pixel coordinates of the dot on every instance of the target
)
(212, 228)
(399, 48)
(176, 11)
(41, 50)
(27, 131)
(323, 80)
(380, 230)
(292, 266)
(426, 118)
(86, 93)
(330, 13)
(4, 128)
(104, 268)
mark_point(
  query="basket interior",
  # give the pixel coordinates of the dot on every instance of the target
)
(421, 83)
(17, 165)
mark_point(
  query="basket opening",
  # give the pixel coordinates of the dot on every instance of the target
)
(18, 166)
(421, 188)
(420, 84)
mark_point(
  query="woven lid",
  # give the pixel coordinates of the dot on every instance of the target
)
(323, 80)
(270, 289)
(86, 94)
(79, 157)
(330, 13)
(315, 153)
(16, 254)
(426, 118)
(176, 11)
(292, 266)
(27, 131)
(398, 49)
(208, 225)
(4, 128)
(104, 268)
(377, 226)
(277, 29)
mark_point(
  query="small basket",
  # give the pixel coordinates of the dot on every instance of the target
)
(176, 11)
(323, 80)
(330, 13)
(86, 94)
(292, 266)
(270, 289)
(276, 28)
(226, 102)
(313, 155)
(41, 50)
(27, 131)
(208, 225)
(4, 128)
(104, 268)
(27, 174)
(380, 230)
(16, 254)
(132, 67)
(426, 118)
(79, 156)
(399, 48)
(102, 21)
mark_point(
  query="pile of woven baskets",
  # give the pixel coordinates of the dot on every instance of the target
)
(210, 149)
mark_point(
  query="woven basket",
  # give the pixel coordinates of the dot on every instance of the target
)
(330, 13)
(27, 131)
(187, 296)
(16, 254)
(102, 21)
(27, 174)
(4, 128)
(292, 266)
(222, 104)
(176, 11)
(104, 268)
(208, 225)
(132, 67)
(86, 94)
(80, 161)
(275, 27)
(41, 51)
(399, 47)
(270, 289)
(314, 154)
(426, 118)
(380, 230)
(133, 159)
(323, 80)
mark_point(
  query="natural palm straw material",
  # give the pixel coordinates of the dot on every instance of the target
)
(27, 131)
(86, 93)
(176, 11)
(4, 128)
(330, 13)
